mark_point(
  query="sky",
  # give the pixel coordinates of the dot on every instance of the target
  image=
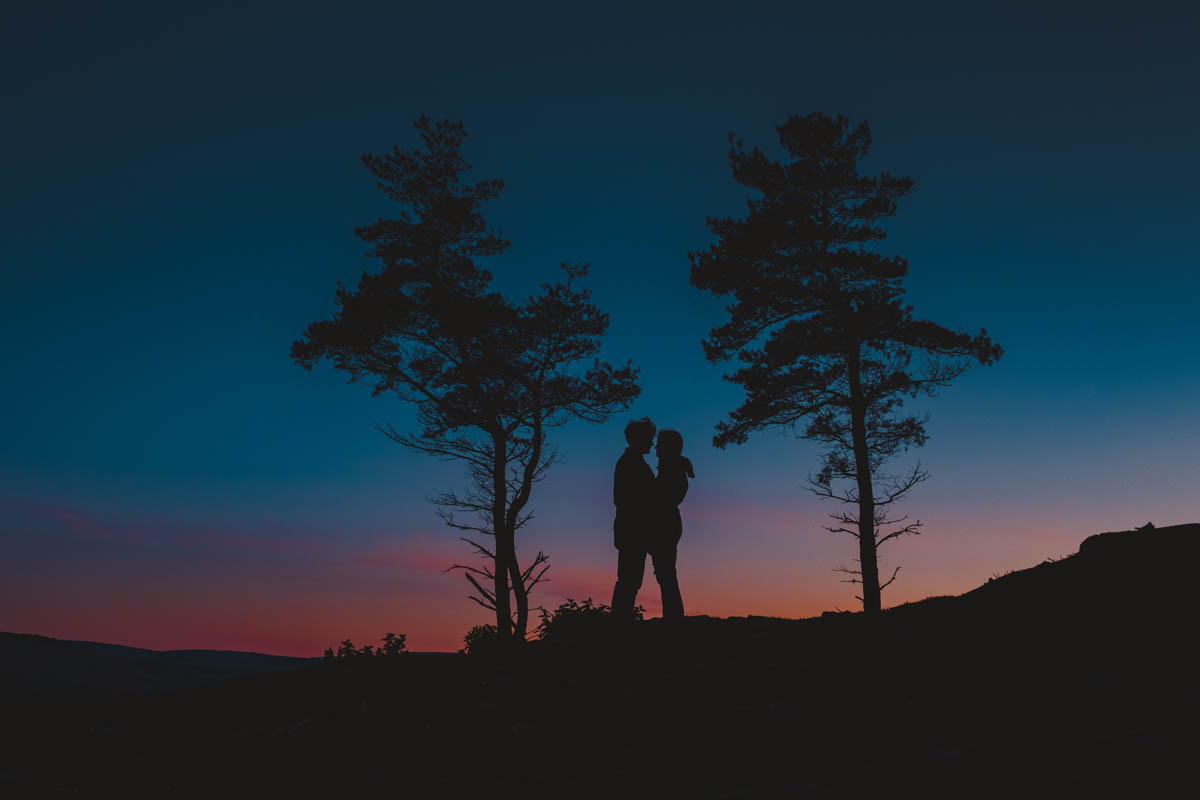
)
(181, 183)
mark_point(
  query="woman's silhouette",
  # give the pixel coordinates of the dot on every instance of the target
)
(671, 485)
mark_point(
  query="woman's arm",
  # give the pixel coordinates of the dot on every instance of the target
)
(672, 486)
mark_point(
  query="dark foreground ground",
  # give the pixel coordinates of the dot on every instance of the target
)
(1073, 676)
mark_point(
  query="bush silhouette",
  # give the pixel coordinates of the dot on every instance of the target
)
(574, 620)
(480, 639)
(393, 645)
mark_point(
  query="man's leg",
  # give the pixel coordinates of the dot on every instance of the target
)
(631, 565)
(664, 570)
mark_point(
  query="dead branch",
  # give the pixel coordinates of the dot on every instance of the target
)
(479, 548)
(913, 529)
(883, 586)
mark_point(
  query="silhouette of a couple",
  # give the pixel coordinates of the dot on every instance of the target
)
(648, 521)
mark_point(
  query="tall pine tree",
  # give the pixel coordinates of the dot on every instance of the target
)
(489, 378)
(826, 345)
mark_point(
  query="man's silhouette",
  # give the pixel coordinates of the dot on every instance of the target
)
(635, 528)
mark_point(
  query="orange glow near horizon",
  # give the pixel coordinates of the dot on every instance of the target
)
(220, 590)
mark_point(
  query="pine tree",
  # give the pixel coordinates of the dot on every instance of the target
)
(828, 349)
(490, 378)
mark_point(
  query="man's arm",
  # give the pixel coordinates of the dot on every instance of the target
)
(621, 483)
(646, 487)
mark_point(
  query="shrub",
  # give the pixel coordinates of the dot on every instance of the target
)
(480, 639)
(573, 620)
(393, 645)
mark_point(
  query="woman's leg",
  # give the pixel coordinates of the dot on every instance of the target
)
(664, 570)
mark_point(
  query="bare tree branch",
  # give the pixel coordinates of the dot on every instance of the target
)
(888, 582)
(474, 599)
(487, 595)
(913, 529)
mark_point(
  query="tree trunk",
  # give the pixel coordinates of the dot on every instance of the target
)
(520, 591)
(505, 559)
(868, 561)
(505, 548)
(521, 596)
(503, 607)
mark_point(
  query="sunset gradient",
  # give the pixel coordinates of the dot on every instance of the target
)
(180, 196)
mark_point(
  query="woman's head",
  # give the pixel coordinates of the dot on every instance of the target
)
(670, 444)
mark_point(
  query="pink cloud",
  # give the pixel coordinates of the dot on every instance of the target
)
(250, 543)
(421, 552)
(78, 523)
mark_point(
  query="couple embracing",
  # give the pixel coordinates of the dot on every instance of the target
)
(648, 521)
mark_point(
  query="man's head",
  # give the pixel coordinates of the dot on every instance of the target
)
(640, 434)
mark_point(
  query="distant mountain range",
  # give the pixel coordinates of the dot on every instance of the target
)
(37, 665)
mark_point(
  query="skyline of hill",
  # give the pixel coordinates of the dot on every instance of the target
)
(1087, 581)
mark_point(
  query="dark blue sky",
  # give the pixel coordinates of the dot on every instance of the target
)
(181, 184)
